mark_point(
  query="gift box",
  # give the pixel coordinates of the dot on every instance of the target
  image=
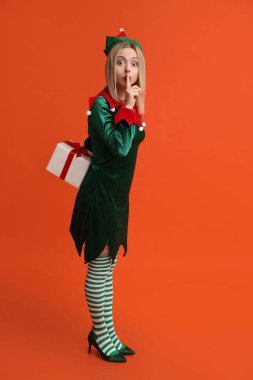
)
(70, 162)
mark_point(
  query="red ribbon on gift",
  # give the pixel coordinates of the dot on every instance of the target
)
(78, 150)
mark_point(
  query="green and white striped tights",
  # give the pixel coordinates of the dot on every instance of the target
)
(99, 297)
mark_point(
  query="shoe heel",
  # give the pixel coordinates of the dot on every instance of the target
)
(89, 348)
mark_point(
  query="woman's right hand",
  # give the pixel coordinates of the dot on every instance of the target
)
(132, 93)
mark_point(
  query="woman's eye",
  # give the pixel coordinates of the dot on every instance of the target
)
(121, 61)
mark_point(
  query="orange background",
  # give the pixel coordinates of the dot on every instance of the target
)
(183, 292)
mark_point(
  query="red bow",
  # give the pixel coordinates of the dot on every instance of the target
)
(78, 150)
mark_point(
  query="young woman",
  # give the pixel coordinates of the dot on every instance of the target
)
(100, 214)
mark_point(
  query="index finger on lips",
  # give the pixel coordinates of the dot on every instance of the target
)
(128, 84)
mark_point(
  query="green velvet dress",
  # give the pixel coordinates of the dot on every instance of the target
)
(101, 209)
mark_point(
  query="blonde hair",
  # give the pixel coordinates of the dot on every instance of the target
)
(110, 73)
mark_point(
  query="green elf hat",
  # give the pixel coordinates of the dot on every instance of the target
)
(121, 37)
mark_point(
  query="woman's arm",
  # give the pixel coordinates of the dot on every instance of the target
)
(117, 136)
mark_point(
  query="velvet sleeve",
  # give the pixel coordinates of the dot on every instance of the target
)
(117, 136)
(87, 144)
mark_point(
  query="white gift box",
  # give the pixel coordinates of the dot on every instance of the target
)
(70, 162)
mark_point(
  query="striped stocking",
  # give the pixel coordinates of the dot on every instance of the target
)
(98, 270)
(108, 308)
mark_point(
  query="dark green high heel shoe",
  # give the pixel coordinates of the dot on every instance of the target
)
(126, 351)
(110, 358)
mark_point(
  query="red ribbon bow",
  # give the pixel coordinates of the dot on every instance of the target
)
(78, 150)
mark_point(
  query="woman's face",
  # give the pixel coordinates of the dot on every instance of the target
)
(126, 61)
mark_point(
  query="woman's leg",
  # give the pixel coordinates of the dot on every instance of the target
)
(108, 304)
(98, 270)
(108, 312)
